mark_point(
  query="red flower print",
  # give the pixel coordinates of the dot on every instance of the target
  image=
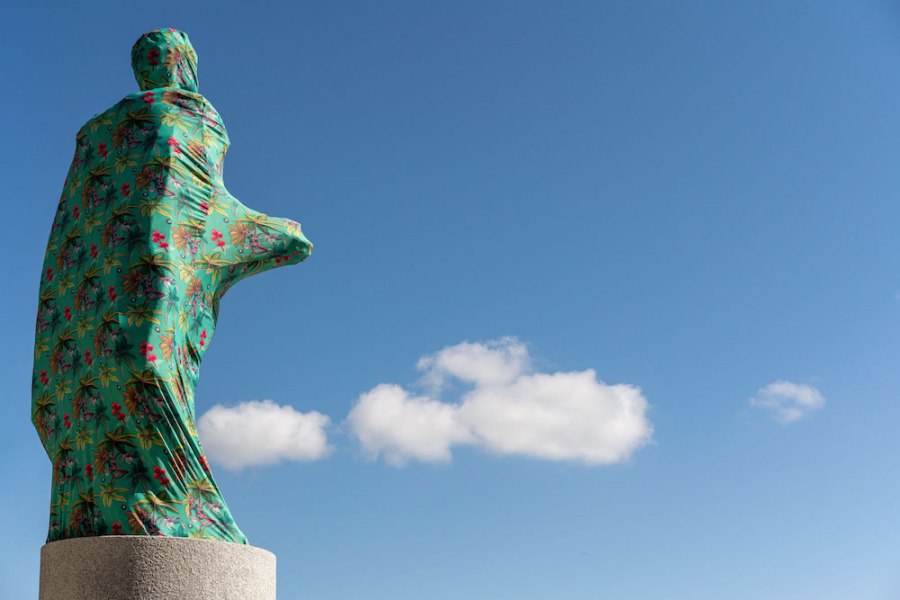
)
(111, 292)
(126, 190)
(117, 528)
(93, 250)
(175, 145)
(44, 379)
(76, 212)
(67, 313)
(89, 471)
(204, 206)
(49, 273)
(102, 150)
(148, 97)
(146, 349)
(153, 57)
(160, 475)
(158, 238)
(66, 421)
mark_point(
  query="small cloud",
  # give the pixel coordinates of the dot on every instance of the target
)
(509, 411)
(261, 433)
(788, 402)
(493, 362)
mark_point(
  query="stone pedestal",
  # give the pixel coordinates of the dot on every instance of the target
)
(134, 567)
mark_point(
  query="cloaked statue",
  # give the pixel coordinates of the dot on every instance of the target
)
(144, 243)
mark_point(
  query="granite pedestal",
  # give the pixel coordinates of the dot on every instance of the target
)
(133, 567)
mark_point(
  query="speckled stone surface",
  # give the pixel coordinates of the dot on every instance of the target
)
(126, 567)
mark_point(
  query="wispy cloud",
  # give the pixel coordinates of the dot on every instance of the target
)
(788, 402)
(260, 433)
(509, 410)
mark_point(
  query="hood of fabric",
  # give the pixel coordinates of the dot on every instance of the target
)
(165, 58)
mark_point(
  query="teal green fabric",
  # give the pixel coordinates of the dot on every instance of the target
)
(145, 241)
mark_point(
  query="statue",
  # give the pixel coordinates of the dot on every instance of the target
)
(145, 241)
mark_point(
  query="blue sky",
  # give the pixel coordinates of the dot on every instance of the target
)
(694, 200)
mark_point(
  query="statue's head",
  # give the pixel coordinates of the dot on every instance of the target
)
(164, 58)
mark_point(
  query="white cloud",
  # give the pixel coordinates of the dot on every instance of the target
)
(388, 420)
(509, 411)
(494, 362)
(559, 416)
(260, 433)
(788, 402)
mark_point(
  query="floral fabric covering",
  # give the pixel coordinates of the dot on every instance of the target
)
(145, 241)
